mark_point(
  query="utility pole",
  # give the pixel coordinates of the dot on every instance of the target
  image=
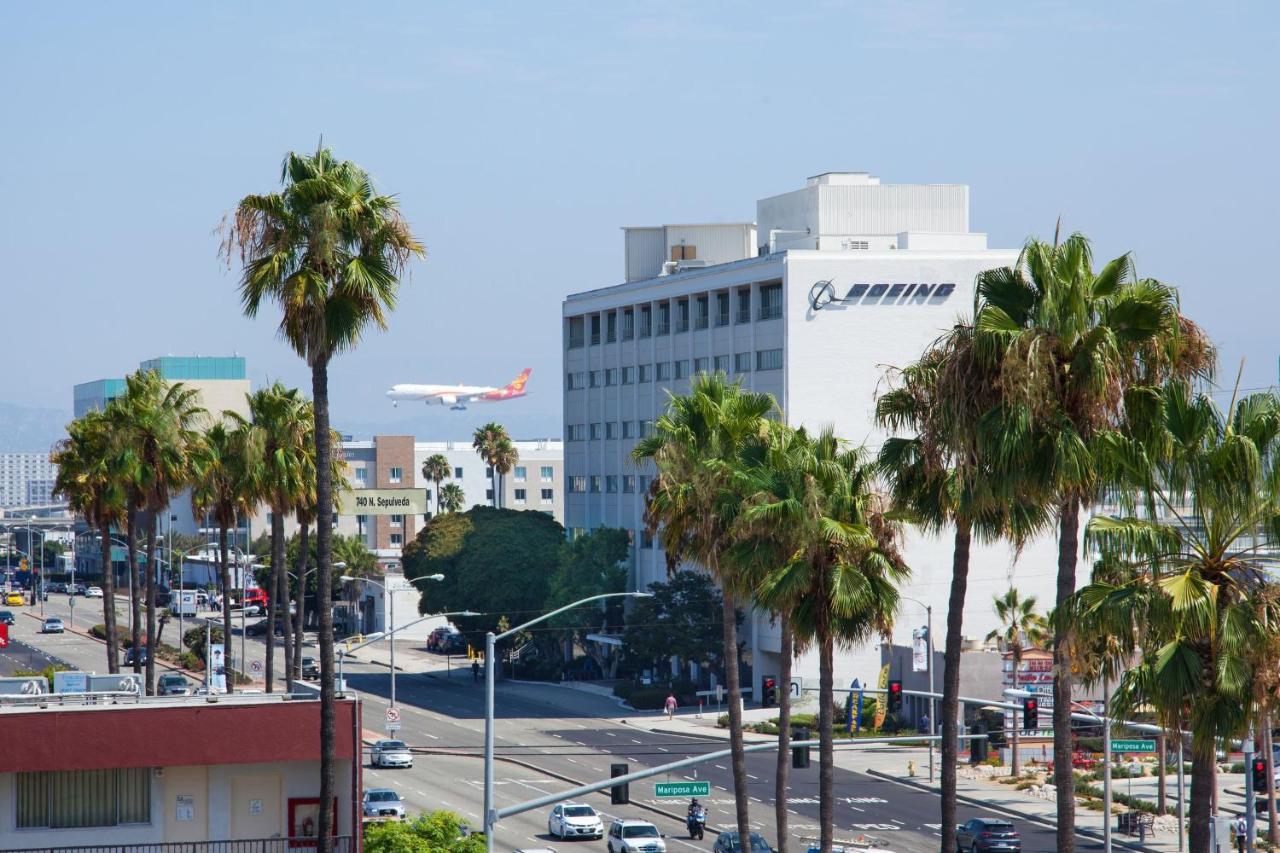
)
(1106, 765)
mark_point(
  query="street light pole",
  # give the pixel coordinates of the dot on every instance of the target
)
(342, 653)
(490, 641)
(933, 723)
(390, 595)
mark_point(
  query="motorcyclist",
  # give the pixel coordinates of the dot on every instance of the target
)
(696, 818)
(695, 807)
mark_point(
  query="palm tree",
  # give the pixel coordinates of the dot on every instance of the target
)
(93, 489)
(452, 497)
(695, 446)
(1070, 345)
(281, 430)
(330, 250)
(123, 464)
(222, 489)
(1020, 626)
(436, 469)
(1201, 492)
(840, 581)
(492, 443)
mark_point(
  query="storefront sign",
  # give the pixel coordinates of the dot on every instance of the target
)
(384, 502)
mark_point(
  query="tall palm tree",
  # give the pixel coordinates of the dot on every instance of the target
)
(93, 489)
(281, 426)
(1070, 345)
(1020, 626)
(124, 463)
(304, 509)
(492, 443)
(330, 250)
(160, 419)
(452, 498)
(841, 580)
(1202, 496)
(695, 447)
(435, 470)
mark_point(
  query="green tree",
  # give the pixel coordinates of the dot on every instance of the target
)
(492, 443)
(330, 250)
(430, 832)
(696, 446)
(93, 489)
(435, 470)
(452, 497)
(592, 564)
(1020, 626)
(1070, 345)
(682, 620)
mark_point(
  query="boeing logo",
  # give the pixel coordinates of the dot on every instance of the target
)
(823, 293)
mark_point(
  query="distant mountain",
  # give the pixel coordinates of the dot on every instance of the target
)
(24, 430)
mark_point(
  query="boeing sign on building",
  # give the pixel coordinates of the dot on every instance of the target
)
(823, 293)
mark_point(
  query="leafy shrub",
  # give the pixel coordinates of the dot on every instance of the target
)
(122, 634)
(192, 661)
(47, 672)
(624, 689)
(430, 832)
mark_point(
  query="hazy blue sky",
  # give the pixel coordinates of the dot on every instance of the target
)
(520, 136)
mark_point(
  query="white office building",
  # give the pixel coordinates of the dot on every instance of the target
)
(26, 479)
(835, 282)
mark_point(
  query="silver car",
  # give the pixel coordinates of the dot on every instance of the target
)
(383, 803)
(390, 753)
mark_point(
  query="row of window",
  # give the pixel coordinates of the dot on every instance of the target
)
(609, 483)
(607, 429)
(396, 475)
(75, 799)
(666, 371)
(678, 315)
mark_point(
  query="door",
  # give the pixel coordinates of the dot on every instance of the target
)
(255, 807)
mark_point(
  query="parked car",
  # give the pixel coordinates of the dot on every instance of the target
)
(172, 684)
(383, 803)
(52, 625)
(57, 586)
(635, 836)
(15, 599)
(259, 629)
(575, 820)
(76, 589)
(727, 842)
(987, 833)
(93, 592)
(6, 616)
(390, 753)
(310, 668)
(140, 653)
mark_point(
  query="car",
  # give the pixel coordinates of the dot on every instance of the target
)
(635, 836)
(727, 842)
(172, 684)
(129, 656)
(93, 592)
(15, 598)
(575, 820)
(383, 803)
(52, 625)
(76, 589)
(259, 629)
(390, 753)
(310, 668)
(6, 616)
(987, 833)
(56, 586)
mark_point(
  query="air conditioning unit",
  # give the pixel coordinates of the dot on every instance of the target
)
(691, 265)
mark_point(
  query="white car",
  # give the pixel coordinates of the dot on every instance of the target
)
(575, 820)
(635, 836)
(383, 803)
(52, 625)
(390, 753)
(93, 592)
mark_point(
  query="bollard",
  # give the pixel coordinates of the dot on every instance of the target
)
(699, 709)
(911, 767)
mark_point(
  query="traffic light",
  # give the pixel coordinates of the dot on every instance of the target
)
(619, 795)
(1030, 713)
(1259, 774)
(768, 692)
(895, 697)
(800, 754)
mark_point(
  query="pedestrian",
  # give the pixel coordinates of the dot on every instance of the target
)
(671, 705)
(1242, 833)
(475, 671)
(924, 724)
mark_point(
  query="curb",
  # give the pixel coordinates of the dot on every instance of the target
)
(1092, 834)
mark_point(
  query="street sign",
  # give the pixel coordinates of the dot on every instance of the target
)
(256, 667)
(393, 720)
(680, 790)
(1133, 746)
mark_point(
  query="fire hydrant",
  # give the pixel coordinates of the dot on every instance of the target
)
(911, 768)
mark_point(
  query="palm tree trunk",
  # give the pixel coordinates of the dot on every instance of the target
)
(784, 734)
(324, 597)
(109, 601)
(135, 630)
(826, 745)
(1201, 799)
(150, 588)
(734, 689)
(1268, 750)
(951, 677)
(224, 575)
(300, 598)
(1063, 781)
(1013, 736)
(1161, 769)
(277, 572)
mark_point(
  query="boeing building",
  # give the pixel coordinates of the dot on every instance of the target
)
(832, 284)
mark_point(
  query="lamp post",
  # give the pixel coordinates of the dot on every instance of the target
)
(390, 594)
(181, 585)
(342, 653)
(490, 641)
(928, 631)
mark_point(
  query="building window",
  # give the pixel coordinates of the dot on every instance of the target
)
(520, 496)
(577, 484)
(361, 475)
(742, 362)
(595, 484)
(628, 375)
(743, 314)
(700, 365)
(769, 359)
(457, 473)
(611, 429)
(646, 539)
(646, 373)
(488, 472)
(397, 521)
(646, 427)
(646, 320)
(627, 429)
(595, 431)
(681, 368)
(576, 338)
(520, 473)
(548, 495)
(611, 484)
(77, 799)
(575, 381)
(611, 327)
(643, 483)
(610, 376)
(595, 329)
(701, 311)
(722, 309)
(770, 302)
(628, 483)
(397, 539)
(488, 494)
(577, 432)
(395, 475)
(628, 323)
(547, 473)
(597, 378)
(663, 370)
(682, 315)
(362, 520)
(722, 364)
(664, 318)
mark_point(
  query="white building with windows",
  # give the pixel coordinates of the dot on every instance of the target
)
(835, 282)
(26, 479)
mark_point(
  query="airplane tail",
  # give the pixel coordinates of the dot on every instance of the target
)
(515, 388)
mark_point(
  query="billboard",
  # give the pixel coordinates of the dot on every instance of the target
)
(383, 502)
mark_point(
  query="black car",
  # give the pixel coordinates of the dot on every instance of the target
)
(987, 833)
(259, 629)
(310, 668)
(139, 653)
(727, 842)
(6, 616)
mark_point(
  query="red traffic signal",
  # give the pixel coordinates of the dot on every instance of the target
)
(1259, 769)
(769, 691)
(895, 696)
(1030, 713)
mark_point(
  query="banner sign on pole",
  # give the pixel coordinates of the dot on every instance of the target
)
(217, 669)
(919, 650)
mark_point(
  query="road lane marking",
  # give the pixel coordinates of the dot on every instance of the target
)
(749, 776)
(721, 767)
(611, 734)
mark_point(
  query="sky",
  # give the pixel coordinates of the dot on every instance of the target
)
(519, 137)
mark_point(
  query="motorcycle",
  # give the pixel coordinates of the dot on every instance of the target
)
(697, 823)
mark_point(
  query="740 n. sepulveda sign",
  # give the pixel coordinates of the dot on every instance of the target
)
(384, 502)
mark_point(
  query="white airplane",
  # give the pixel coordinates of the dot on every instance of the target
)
(456, 397)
